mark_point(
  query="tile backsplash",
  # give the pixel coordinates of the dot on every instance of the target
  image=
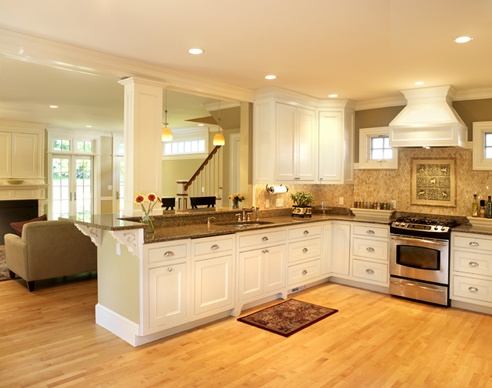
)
(387, 185)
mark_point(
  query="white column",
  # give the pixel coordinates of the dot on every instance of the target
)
(143, 140)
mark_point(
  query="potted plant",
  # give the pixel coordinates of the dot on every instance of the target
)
(302, 200)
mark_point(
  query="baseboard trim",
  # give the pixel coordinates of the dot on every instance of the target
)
(356, 284)
(118, 325)
(472, 307)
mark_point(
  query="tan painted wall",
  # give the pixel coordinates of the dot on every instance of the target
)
(173, 170)
(106, 206)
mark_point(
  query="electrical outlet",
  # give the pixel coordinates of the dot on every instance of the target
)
(267, 203)
(118, 249)
(340, 201)
(279, 202)
(203, 189)
(110, 187)
(393, 204)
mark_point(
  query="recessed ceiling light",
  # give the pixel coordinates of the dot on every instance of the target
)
(418, 83)
(333, 95)
(195, 51)
(270, 76)
(201, 125)
(463, 39)
(54, 106)
(88, 126)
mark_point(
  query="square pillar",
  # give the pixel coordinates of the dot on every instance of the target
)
(143, 140)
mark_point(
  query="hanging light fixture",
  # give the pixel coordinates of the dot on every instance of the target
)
(167, 135)
(219, 137)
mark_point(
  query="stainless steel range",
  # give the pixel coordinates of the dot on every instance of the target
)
(419, 259)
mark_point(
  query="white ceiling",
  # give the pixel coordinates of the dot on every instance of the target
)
(359, 49)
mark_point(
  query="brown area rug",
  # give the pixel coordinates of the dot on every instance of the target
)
(288, 317)
(4, 272)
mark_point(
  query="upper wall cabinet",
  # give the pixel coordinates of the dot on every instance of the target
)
(21, 150)
(300, 139)
(295, 156)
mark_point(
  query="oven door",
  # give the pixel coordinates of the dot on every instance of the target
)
(420, 258)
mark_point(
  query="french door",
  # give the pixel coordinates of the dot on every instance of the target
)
(119, 183)
(72, 184)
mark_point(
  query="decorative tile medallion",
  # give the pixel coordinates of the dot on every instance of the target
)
(433, 182)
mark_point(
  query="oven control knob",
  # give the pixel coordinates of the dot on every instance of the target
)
(402, 224)
(397, 224)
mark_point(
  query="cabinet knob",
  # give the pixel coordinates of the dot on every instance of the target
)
(304, 272)
(370, 271)
(473, 289)
(265, 251)
(474, 244)
(370, 249)
(370, 231)
(170, 269)
(264, 238)
(304, 250)
(214, 247)
(473, 264)
(306, 232)
(168, 254)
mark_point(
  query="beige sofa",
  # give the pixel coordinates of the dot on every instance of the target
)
(49, 249)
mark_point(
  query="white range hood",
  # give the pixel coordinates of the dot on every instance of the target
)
(428, 120)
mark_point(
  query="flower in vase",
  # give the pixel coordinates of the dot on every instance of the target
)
(152, 199)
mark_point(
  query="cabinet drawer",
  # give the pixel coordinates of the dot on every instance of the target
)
(376, 272)
(303, 272)
(472, 262)
(305, 249)
(264, 238)
(372, 231)
(472, 243)
(475, 289)
(370, 248)
(214, 245)
(307, 231)
(171, 252)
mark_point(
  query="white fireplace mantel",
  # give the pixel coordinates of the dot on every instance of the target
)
(20, 192)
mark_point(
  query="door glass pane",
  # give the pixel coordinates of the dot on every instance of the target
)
(83, 190)
(60, 190)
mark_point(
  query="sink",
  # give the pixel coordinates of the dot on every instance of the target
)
(242, 224)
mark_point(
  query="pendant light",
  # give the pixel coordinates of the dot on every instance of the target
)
(167, 135)
(219, 137)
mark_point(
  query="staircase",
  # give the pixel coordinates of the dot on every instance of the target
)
(206, 181)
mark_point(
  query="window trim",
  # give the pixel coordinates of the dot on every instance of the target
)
(480, 128)
(365, 161)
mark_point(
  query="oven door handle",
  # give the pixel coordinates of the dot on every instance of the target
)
(418, 286)
(419, 240)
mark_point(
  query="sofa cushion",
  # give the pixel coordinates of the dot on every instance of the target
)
(17, 226)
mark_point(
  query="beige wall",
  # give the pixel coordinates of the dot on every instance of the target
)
(173, 170)
(106, 166)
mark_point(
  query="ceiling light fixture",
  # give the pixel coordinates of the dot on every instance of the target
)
(463, 39)
(270, 76)
(54, 106)
(195, 51)
(333, 95)
(201, 125)
(88, 126)
(219, 139)
(418, 83)
(167, 135)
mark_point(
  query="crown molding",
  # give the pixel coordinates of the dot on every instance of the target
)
(381, 103)
(473, 94)
(213, 106)
(50, 53)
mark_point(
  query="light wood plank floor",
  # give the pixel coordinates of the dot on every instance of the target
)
(48, 338)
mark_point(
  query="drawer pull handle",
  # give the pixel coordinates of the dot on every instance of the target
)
(306, 232)
(265, 251)
(169, 253)
(170, 269)
(370, 231)
(304, 250)
(370, 271)
(370, 249)
(214, 247)
(473, 264)
(473, 289)
(264, 238)
(474, 244)
(304, 272)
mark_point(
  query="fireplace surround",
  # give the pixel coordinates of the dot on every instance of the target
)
(16, 211)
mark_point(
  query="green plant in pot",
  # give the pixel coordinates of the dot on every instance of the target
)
(302, 201)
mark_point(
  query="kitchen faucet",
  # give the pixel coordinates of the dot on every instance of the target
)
(252, 208)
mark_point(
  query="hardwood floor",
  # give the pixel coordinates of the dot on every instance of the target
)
(49, 339)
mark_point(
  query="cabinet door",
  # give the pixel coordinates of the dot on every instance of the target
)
(24, 155)
(285, 150)
(250, 274)
(5, 154)
(327, 253)
(167, 295)
(330, 147)
(274, 259)
(340, 249)
(213, 285)
(305, 155)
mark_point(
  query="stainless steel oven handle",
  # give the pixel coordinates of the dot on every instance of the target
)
(416, 285)
(419, 240)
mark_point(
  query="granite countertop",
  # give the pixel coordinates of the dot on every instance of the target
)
(106, 221)
(469, 228)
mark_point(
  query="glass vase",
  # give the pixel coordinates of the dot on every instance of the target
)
(148, 220)
(235, 204)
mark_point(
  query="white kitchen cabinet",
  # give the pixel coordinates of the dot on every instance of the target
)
(168, 295)
(295, 155)
(340, 248)
(5, 154)
(327, 252)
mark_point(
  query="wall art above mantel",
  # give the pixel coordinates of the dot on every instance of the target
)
(433, 182)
